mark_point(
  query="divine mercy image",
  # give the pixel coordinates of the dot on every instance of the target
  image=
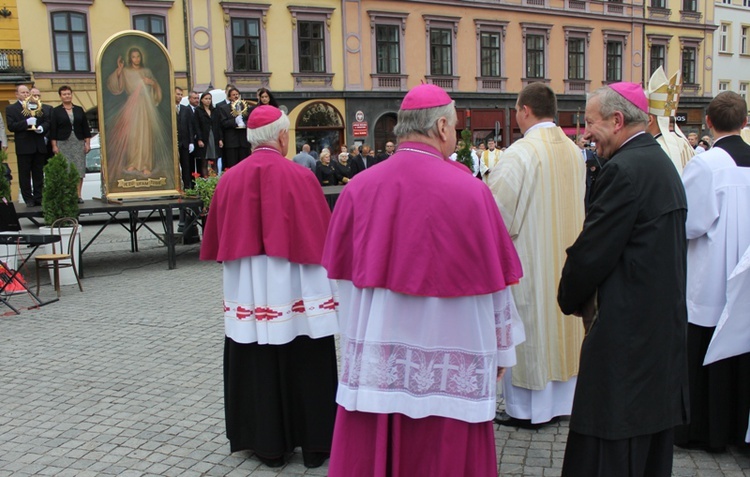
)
(137, 121)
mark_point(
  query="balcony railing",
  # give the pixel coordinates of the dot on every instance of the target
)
(576, 5)
(11, 61)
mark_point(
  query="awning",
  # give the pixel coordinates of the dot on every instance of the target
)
(572, 131)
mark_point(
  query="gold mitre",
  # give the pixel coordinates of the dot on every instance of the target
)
(663, 94)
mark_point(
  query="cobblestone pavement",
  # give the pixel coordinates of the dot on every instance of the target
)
(125, 379)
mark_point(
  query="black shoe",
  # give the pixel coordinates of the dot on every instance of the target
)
(504, 419)
(313, 460)
(271, 462)
(80, 201)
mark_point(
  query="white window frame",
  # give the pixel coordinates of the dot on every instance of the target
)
(725, 38)
(744, 39)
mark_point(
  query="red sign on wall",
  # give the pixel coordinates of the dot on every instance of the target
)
(359, 128)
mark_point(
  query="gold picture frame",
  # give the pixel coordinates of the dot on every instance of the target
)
(137, 124)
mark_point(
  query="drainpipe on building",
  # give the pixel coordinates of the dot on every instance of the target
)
(185, 27)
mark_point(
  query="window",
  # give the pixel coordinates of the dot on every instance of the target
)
(614, 61)
(388, 71)
(535, 37)
(71, 42)
(658, 56)
(743, 90)
(246, 44)
(490, 54)
(746, 3)
(689, 55)
(726, 2)
(743, 40)
(535, 56)
(441, 39)
(312, 52)
(388, 50)
(658, 4)
(576, 58)
(723, 86)
(441, 52)
(153, 24)
(311, 36)
(690, 5)
(724, 38)
(490, 36)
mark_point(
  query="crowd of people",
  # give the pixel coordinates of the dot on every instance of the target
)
(339, 169)
(440, 285)
(38, 136)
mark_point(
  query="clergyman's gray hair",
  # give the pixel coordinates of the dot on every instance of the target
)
(424, 121)
(611, 101)
(269, 133)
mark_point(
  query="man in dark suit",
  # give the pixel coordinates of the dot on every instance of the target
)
(625, 275)
(358, 164)
(47, 111)
(185, 137)
(390, 148)
(236, 147)
(31, 149)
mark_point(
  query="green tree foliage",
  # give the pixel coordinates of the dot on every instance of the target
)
(464, 150)
(4, 184)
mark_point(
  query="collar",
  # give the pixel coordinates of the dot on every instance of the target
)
(724, 137)
(543, 124)
(631, 138)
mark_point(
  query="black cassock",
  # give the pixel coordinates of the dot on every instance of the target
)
(632, 384)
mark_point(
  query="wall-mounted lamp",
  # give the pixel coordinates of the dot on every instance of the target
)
(5, 13)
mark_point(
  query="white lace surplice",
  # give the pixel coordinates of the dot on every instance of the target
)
(424, 356)
(270, 300)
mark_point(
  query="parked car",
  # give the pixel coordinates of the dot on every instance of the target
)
(92, 183)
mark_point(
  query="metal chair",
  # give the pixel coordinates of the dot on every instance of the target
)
(53, 261)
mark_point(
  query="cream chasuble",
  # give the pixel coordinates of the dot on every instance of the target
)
(539, 186)
(488, 160)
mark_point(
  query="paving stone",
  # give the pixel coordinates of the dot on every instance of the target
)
(129, 381)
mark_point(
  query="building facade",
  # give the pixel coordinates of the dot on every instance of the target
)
(732, 47)
(341, 67)
(679, 35)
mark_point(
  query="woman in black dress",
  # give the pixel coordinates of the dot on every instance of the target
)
(209, 133)
(325, 171)
(344, 169)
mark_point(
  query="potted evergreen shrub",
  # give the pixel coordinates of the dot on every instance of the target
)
(4, 183)
(7, 252)
(60, 200)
